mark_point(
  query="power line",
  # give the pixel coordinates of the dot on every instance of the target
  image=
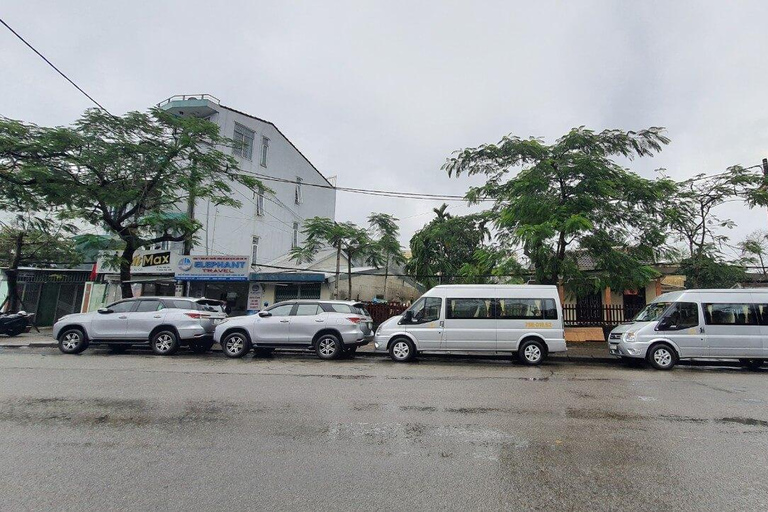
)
(54, 67)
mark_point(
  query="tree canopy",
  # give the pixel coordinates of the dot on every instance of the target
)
(130, 175)
(560, 202)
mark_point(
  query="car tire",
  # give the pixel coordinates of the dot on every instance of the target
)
(235, 344)
(662, 357)
(164, 342)
(200, 347)
(402, 350)
(751, 364)
(118, 349)
(531, 353)
(72, 341)
(328, 346)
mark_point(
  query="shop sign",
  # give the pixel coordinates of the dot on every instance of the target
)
(255, 293)
(144, 262)
(212, 268)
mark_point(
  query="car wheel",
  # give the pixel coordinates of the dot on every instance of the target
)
(235, 344)
(200, 347)
(72, 341)
(751, 364)
(531, 352)
(164, 342)
(402, 350)
(662, 357)
(328, 346)
(118, 349)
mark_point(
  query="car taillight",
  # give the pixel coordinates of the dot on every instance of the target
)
(355, 319)
(197, 315)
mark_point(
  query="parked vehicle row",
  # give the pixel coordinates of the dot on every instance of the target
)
(525, 321)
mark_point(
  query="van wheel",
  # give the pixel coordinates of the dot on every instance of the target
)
(235, 344)
(164, 342)
(751, 364)
(72, 341)
(531, 352)
(328, 346)
(662, 357)
(402, 350)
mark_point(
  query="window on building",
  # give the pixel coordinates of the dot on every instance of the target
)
(297, 194)
(243, 138)
(259, 201)
(254, 249)
(295, 241)
(264, 151)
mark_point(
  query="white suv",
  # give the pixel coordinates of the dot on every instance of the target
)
(330, 328)
(165, 323)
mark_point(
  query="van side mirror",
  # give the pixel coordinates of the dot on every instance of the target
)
(105, 311)
(264, 314)
(407, 317)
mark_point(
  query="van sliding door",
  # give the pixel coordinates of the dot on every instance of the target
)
(470, 324)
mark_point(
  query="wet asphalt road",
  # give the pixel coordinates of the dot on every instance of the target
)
(139, 432)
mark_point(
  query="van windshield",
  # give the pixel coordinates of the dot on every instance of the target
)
(652, 312)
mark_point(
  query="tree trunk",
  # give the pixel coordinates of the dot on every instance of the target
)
(349, 275)
(338, 272)
(125, 269)
(386, 275)
(13, 274)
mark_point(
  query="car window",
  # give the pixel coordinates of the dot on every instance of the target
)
(282, 310)
(360, 310)
(427, 310)
(210, 306)
(681, 315)
(182, 304)
(123, 307)
(307, 310)
(340, 308)
(149, 305)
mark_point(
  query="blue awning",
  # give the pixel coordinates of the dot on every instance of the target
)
(287, 277)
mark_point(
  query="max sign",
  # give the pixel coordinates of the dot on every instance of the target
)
(213, 268)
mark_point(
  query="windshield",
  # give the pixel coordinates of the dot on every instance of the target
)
(652, 312)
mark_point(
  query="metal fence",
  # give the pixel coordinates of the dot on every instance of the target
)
(381, 311)
(576, 315)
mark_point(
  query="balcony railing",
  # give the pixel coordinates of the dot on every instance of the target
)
(184, 97)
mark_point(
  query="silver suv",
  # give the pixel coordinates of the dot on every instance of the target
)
(165, 323)
(329, 327)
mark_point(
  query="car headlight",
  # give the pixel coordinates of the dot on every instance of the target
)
(630, 336)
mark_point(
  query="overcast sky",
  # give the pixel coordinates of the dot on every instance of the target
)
(380, 93)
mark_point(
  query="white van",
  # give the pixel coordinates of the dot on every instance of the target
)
(698, 324)
(526, 320)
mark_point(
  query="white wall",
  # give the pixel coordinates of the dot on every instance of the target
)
(230, 230)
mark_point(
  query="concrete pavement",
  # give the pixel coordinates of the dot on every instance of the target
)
(139, 432)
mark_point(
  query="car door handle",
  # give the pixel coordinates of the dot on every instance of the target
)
(123, 317)
(158, 316)
(319, 320)
(284, 321)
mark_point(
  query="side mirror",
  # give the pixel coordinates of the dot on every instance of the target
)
(264, 314)
(407, 317)
(104, 311)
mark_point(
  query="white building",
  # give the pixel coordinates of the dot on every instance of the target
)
(268, 224)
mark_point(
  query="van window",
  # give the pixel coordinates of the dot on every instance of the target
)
(527, 309)
(762, 313)
(470, 309)
(651, 312)
(729, 314)
(681, 315)
(426, 309)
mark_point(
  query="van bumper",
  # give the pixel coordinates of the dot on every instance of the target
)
(624, 349)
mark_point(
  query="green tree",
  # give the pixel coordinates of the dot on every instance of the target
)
(131, 175)
(572, 195)
(321, 232)
(443, 246)
(388, 250)
(709, 272)
(754, 250)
